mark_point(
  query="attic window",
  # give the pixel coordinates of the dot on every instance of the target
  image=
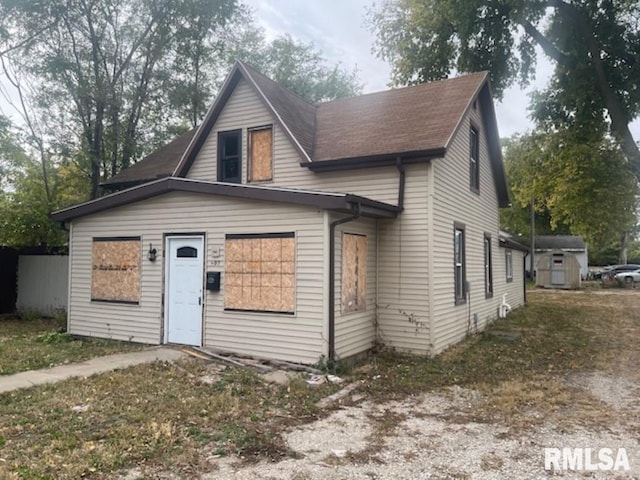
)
(260, 154)
(229, 157)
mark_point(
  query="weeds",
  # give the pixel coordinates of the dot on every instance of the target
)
(39, 343)
(152, 415)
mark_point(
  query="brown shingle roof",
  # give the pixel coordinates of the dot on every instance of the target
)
(421, 118)
(157, 164)
(296, 114)
(416, 123)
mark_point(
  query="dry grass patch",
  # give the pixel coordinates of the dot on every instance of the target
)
(520, 365)
(155, 417)
(29, 344)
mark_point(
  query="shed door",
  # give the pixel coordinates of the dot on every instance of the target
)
(183, 290)
(557, 269)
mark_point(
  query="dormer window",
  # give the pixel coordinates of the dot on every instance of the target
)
(230, 157)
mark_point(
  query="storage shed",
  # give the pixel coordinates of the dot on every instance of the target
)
(558, 269)
(566, 243)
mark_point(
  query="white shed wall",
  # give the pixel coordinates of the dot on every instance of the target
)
(42, 283)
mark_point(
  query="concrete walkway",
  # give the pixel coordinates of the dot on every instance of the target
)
(86, 368)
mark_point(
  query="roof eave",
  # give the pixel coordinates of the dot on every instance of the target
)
(374, 161)
(327, 201)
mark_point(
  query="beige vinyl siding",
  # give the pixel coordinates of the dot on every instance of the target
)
(244, 110)
(355, 332)
(403, 270)
(295, 337)
(454, 201)
(515, 288)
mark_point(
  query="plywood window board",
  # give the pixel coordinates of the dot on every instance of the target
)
(115, 269)
(354, 272)
(261, 154)
(260, 273)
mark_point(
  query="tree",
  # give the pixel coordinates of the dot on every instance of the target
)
(595, 45)
(29, 194)
(583, 186)
(298, 66)
(104, 65)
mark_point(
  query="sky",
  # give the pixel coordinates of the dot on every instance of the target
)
(337, 28)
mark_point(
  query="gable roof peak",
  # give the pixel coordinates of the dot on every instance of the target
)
(295, 115)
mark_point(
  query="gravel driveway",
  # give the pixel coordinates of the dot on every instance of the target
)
(433, 441)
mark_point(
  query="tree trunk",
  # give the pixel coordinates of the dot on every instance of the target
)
(624, 244)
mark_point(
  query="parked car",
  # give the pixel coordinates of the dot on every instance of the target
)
(612, 270)
(629, 278)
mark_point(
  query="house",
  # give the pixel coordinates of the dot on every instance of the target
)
(292, 231)
(569, 244)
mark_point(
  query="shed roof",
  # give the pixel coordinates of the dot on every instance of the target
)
(561, 242)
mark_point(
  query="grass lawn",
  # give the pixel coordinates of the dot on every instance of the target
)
(28, 344)
(175, 417)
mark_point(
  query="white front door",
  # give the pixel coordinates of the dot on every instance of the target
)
(183, 290)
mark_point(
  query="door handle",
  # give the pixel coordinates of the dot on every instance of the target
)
(199, 300)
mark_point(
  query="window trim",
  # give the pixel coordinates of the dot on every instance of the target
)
(220, 162)
(460, 289)
(250, 153)
(361, 301)
(113, 239)
(488, 266)
(474, 159)
(256, 236)
(508, 265)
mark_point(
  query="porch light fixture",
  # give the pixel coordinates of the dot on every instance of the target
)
(152, 253)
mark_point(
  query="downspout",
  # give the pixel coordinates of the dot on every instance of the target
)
(332, 278)
(401, 181)
(524, 276)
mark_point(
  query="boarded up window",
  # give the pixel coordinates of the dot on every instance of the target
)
(260, 272)
(354, 272)
(115, 264)
(260, 155)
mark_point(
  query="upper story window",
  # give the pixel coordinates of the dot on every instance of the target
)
(230, 156)
(488, 267)
(474, 161)
(260, 141)
(459, 264)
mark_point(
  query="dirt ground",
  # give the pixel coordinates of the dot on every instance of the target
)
(437, 435)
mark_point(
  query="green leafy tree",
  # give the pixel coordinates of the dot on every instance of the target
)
(105, 66)
(297, 65)
(583, 186)
(595, 47)
(26, 199)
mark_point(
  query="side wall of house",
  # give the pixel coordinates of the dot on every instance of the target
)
(355, 332)
(297, 337)
(244, 110)
(455, 203)
(514, 288)
(404, 269)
